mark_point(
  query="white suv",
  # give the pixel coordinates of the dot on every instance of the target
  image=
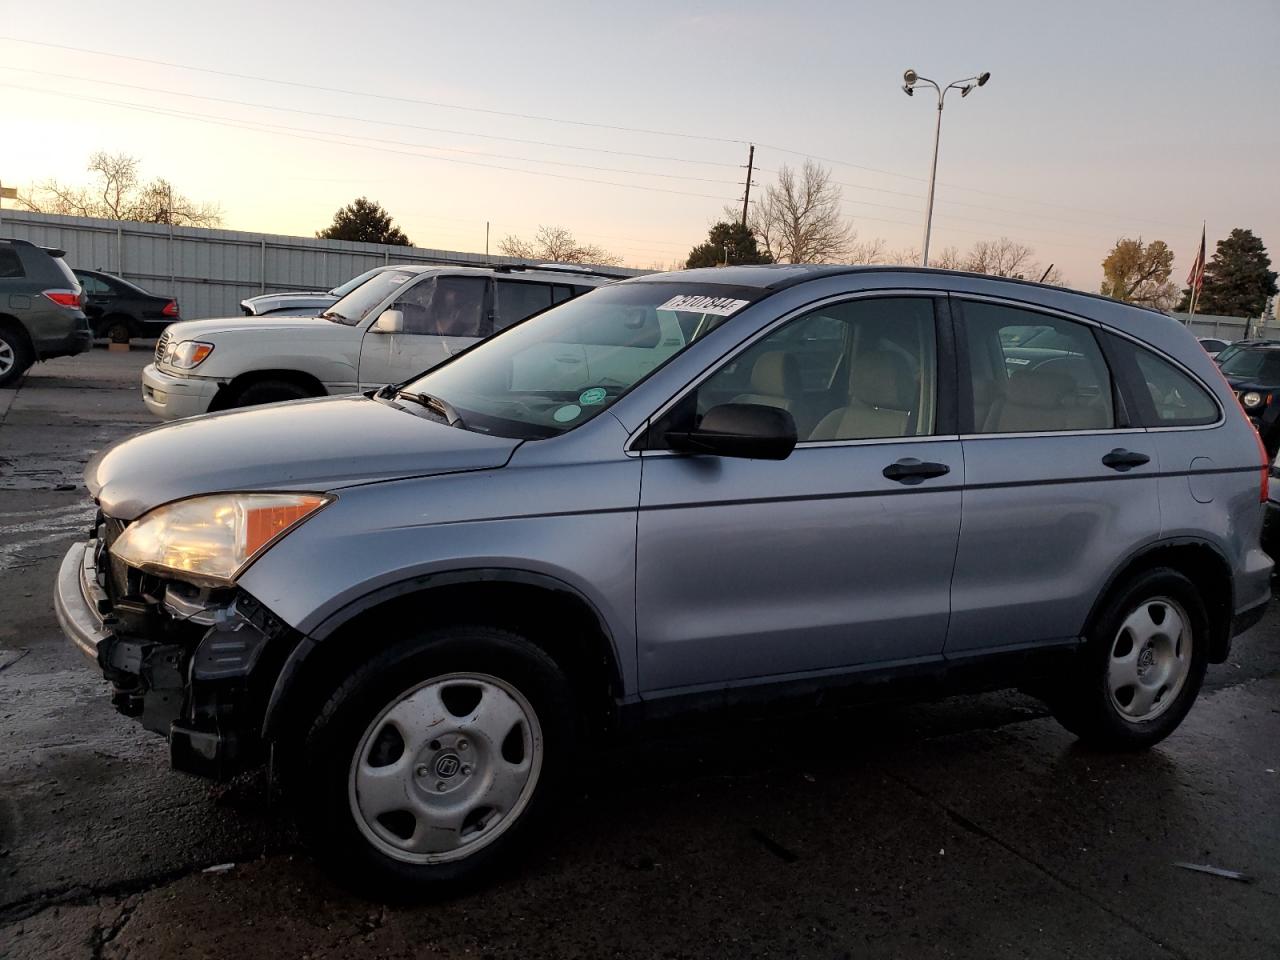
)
(396, 324)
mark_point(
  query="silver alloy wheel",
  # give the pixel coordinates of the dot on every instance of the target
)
(1150, 659)
(7, 357)
(446, 768)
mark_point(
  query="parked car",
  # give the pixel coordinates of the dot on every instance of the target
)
(40, 308)
(747, 485)
(1229, 351)
(120, 310)
(1254, 374)
(1213, 345)
(1271, 519)
(307, 303)
(396, 324)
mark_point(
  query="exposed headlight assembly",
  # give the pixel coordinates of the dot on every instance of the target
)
(188, 354)
(209, 540)
(1252, 399)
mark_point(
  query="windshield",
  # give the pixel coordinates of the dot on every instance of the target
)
(1262, 365)
(557, 370)
(355, 306)
(343, 289)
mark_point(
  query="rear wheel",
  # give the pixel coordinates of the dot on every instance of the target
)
(269, 391)
(427, 767)
(15, 355)
(117, 329)
(1142, 667)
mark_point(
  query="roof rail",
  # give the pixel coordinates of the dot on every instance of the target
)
(51, 251)
(21, 243)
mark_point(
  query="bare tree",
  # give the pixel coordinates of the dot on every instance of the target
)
(904, 257)
(556, 244)
(866, 251)
(118, 193)
(1007, 258)
(948, 259)
(799, 219)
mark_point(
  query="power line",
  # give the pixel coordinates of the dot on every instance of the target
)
(382, 123)
(426, 146)
(377, 96)
(275, 130)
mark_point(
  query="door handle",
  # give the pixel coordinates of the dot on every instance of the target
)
(1123, 460)
(909, 470)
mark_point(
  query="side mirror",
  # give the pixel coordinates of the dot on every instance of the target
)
(748, 430)
(389, 321)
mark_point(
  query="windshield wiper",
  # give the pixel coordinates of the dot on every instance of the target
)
(436, 404)
(333, 315)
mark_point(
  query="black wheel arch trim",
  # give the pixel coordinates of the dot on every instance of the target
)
(424, 583)
(1219, 644)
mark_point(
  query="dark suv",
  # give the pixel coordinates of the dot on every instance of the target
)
(40, 308)
(1254, 375)
(118, 309)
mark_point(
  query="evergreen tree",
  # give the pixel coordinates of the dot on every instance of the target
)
(1238, 281)
(364, 221)
(740, 241)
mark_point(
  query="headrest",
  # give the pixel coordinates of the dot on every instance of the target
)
(881, 378)
(1040, 388)
(776, 374)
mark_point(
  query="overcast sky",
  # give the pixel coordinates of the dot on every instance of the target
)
(1101, 120)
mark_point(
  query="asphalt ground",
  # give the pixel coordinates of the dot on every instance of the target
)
(970, 827)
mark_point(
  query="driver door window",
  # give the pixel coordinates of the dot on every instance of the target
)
(860, 370)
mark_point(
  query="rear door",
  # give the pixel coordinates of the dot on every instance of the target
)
(1060, 481)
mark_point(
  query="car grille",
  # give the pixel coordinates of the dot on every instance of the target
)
(161, 345)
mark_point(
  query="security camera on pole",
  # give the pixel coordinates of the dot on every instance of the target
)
(965, 86)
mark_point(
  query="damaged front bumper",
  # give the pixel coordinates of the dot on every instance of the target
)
(179, 659)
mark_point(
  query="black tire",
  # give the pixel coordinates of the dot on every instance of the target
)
(15, 355)
(117, 329)
(1084, 703)
(269, 391)
(321, 782)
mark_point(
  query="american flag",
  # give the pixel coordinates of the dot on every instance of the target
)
(1195, 279)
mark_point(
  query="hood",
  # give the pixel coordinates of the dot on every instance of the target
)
(1245, 384)
(313, 445)
(197, 329)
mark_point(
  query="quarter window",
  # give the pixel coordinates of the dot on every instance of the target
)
(10, 262)
(1176, 400)
(858, 370)
(1033, 373)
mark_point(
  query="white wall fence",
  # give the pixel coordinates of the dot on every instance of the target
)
(1228, 328)
(211, 271)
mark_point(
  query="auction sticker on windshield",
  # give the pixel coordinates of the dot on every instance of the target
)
(692, 303)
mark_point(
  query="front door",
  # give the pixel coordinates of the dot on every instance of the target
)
(443, 315)
(836, 558)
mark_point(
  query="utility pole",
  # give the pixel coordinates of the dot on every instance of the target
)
(746, 191)
(486, 238)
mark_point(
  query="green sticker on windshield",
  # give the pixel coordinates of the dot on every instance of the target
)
(566, 413)
(592, 397)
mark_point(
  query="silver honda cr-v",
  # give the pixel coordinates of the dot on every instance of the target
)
(682, 491)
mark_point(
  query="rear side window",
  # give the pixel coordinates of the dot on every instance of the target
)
(1033, 373)
(517, 300)
(1168, 397)
(10, 262)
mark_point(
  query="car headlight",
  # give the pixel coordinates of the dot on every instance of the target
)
(188, 354)
(1252, 399)
(209, 540)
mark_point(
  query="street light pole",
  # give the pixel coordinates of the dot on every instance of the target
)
(910, 79)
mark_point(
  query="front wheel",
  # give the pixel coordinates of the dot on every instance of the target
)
(429, 767)
(1142, 666)
(269, 391)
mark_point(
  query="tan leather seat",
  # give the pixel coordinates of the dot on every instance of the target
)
(880, 401)
(1042, 400)
(775, 382)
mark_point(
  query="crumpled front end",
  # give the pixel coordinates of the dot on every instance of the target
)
(192, 664)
